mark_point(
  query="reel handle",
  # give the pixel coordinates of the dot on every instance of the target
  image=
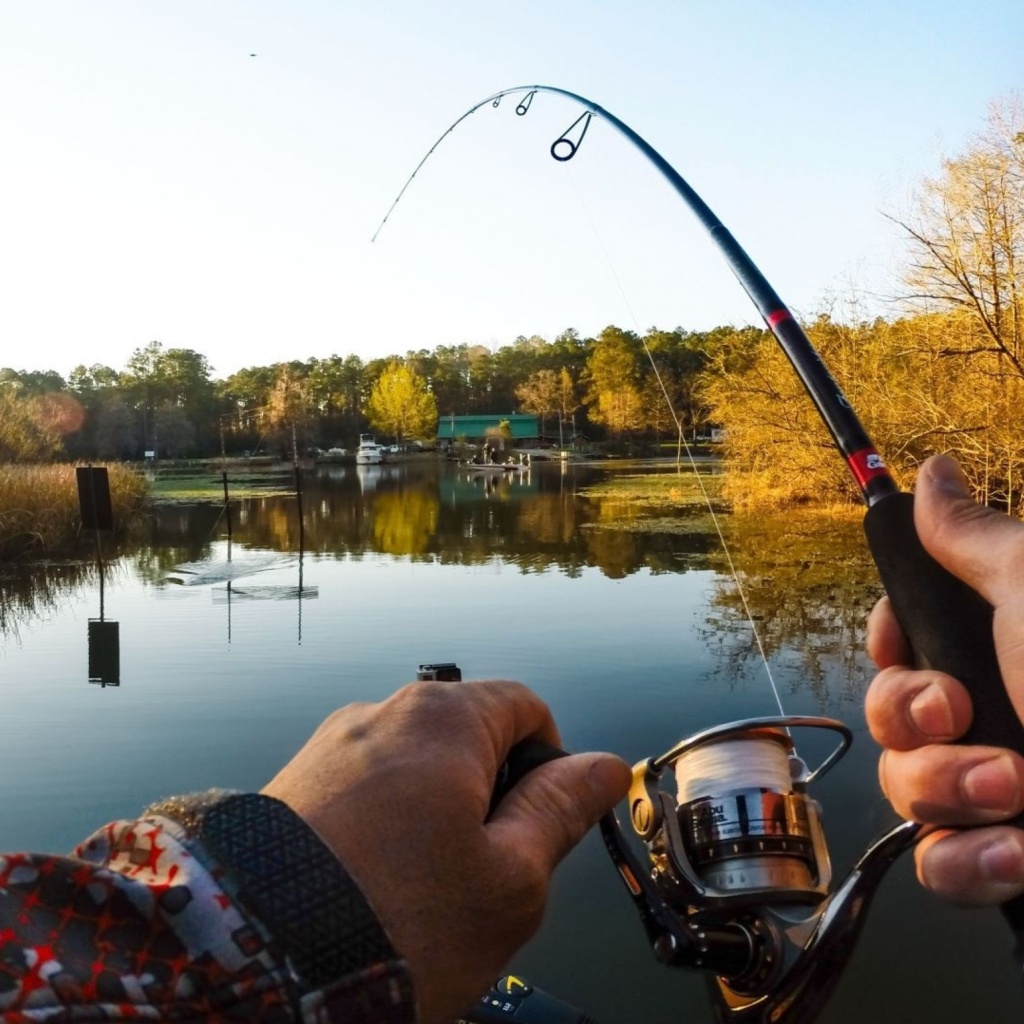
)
(949, 626)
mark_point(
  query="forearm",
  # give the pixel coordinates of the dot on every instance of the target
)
(222, 908)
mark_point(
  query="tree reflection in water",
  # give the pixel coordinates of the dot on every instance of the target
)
(809, 584)
(808, 580)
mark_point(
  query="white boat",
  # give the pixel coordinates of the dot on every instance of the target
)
(369, 453)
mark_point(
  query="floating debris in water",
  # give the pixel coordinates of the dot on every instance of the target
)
(192, 574)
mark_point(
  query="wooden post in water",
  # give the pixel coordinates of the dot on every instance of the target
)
(298, 485)
(96, 510)
(224, 479)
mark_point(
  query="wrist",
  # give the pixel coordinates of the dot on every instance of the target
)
(280, 871)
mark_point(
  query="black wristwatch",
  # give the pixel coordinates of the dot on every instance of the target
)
(283, 873)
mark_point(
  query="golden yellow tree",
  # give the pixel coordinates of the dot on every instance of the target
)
(400, 403)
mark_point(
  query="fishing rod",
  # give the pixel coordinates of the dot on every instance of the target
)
(737, 880)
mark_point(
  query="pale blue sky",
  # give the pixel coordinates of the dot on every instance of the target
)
(159, 183)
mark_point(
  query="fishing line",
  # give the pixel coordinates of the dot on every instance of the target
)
(732, 765)
(682, 438)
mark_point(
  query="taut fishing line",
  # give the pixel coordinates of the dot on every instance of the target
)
(698, 476)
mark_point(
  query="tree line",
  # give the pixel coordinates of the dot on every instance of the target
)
(167, 400)
(945, 374)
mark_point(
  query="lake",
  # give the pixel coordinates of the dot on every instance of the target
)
(623, 616)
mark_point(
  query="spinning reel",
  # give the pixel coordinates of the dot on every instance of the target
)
(738, 880)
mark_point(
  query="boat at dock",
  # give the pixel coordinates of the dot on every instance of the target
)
(509, 466)
(369, 453)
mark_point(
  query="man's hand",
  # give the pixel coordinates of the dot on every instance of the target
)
(916, 714)
(400, 792)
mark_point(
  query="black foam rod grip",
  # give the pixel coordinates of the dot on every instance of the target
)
(522, 759)
(949, 625)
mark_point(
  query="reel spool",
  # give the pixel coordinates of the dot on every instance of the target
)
(741, 830)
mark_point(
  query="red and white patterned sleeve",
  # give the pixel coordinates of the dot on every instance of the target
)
(222, 907)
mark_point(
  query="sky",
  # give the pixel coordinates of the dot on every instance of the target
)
(209, 174)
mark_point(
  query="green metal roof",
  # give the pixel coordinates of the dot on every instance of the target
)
(449, 428)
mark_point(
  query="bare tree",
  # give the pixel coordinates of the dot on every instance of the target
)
(967, 240)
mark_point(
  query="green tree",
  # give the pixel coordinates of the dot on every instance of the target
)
(540, 394)
(614, 381)
(401, 405)
(155, 376)
(32, 382)
(175, 432)
(115, 430)
(568, 400)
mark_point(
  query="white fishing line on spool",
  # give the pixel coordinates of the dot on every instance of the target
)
(717, 769)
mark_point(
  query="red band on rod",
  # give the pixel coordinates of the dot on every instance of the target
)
(866, 465)
(776, 318)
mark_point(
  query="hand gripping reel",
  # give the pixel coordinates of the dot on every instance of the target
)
(738, 880)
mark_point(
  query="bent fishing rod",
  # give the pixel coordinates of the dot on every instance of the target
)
(737, 880)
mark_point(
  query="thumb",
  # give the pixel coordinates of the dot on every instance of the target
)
(552, 808)
(985, 549)
(981, 546)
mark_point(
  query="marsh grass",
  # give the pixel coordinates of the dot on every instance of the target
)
(39, 514)
(657, 502)
(209, 486)
(657, 490)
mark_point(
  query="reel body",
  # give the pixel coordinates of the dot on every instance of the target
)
(738, 880)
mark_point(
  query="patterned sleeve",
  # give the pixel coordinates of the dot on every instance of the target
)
(219, 908)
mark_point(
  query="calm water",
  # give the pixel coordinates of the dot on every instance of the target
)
(621, 617)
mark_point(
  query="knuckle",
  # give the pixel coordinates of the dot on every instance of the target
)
(884, 706)
(428, 697)
(344, 720)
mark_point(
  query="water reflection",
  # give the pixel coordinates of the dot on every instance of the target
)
(807, 583)
(30, 592)
(536, 520)
(104, 652)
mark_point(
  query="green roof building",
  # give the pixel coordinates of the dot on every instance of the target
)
(476, 428)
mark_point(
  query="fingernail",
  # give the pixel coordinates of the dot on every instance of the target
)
(1001, 861)
(930, 713)
(992, 785)
(945, 475)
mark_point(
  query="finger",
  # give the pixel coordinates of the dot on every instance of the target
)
(950, 785)
(981, 546)
(979, 867)
(514, 712)
(909, 708)
(479, 721)
(886, 642)
(550, 810)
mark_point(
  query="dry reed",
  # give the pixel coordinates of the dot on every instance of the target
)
(39, 512)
